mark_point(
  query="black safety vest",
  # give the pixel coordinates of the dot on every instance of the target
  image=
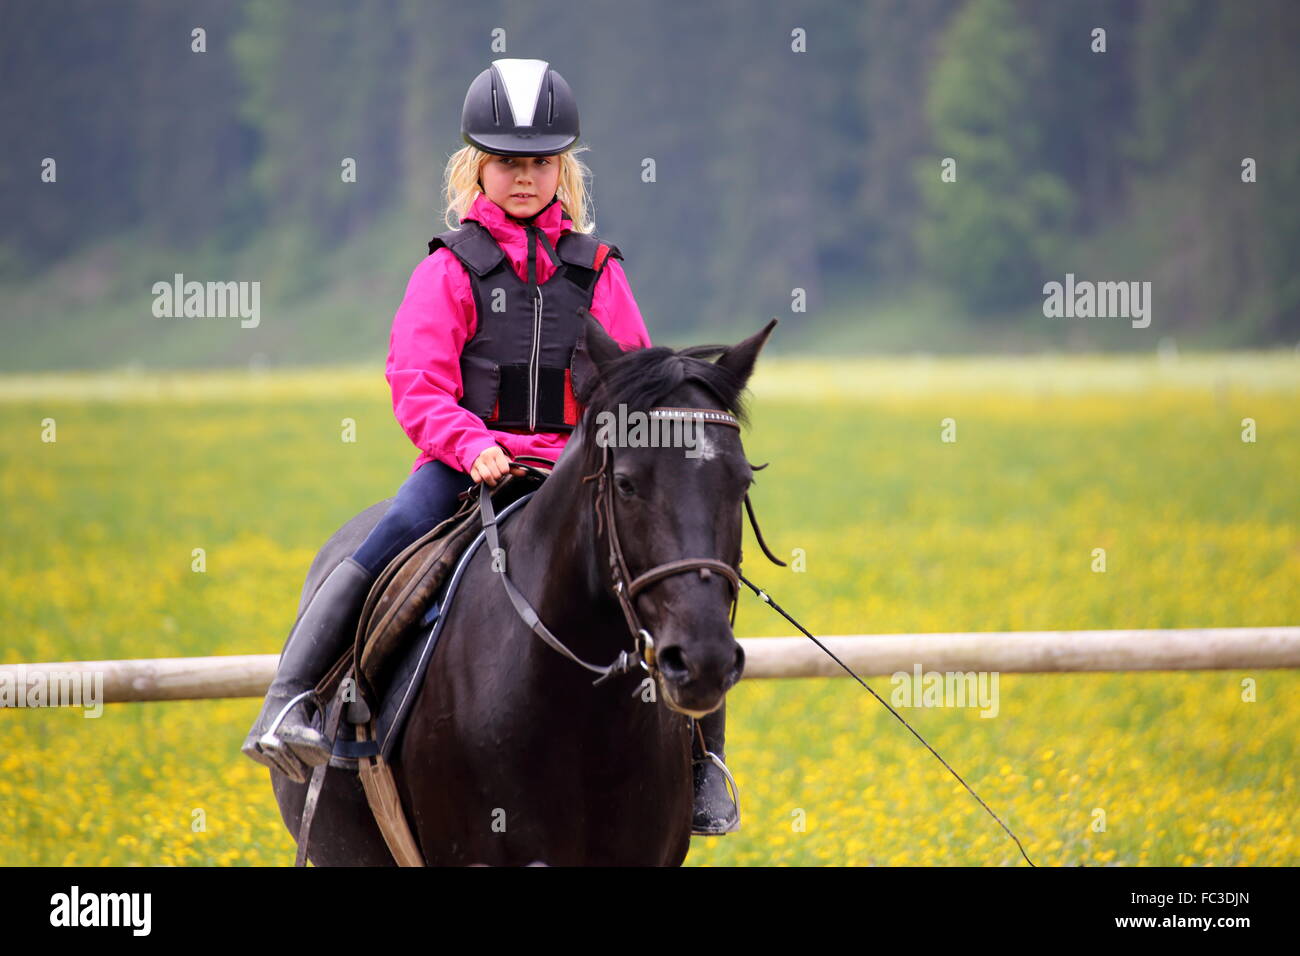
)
(516, 370)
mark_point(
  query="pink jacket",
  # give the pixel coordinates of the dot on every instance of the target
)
(436, 319)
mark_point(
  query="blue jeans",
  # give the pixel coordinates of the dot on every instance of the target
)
(426, 499)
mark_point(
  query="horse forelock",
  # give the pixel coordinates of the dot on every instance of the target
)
(643, 378)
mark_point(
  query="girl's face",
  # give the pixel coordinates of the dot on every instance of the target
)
(521, 185)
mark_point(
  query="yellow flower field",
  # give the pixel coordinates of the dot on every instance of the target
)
(898, 532)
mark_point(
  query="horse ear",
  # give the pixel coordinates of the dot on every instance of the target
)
(594, 350)
(740, 358)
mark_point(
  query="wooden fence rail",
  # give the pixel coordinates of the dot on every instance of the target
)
(1231, 648)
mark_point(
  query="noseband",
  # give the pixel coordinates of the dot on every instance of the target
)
(625, 587)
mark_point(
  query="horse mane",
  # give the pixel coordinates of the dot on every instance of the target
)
(644, 377)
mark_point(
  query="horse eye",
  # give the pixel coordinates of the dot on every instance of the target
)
(624, 486)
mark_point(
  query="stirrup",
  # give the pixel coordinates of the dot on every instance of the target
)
(268, 738)
(710, 756)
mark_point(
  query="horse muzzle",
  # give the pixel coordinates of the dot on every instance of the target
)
(696, 676)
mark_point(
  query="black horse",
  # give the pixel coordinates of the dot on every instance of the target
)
(511, 756)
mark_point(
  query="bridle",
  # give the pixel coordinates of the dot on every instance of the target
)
(624, 586)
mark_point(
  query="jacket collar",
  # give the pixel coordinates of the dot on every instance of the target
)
(507, 230)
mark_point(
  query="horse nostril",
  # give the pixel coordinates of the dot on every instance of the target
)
(740, 660)
(672, 661)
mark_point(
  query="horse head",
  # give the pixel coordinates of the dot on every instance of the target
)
(661, 437)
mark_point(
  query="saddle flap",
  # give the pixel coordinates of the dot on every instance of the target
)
(408, 592)
(404, 591)
(392, 660)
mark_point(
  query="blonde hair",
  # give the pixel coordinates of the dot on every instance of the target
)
(465, 166)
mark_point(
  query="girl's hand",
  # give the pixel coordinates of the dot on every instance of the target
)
(490, 465)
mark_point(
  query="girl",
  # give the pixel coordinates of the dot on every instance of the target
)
(472, 392)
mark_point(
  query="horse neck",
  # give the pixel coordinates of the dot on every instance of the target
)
(555, 558)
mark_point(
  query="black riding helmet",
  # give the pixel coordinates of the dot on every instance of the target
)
(520, 108)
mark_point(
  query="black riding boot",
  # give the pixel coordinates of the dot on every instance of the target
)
(326, 627)
(715, 810)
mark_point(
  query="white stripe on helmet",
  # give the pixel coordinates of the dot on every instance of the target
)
(523, 81)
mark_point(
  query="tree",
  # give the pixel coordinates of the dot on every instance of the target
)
(985, 234)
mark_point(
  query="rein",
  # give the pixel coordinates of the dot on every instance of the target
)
(643, 649)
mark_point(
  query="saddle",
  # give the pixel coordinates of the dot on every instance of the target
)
(404, 595)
